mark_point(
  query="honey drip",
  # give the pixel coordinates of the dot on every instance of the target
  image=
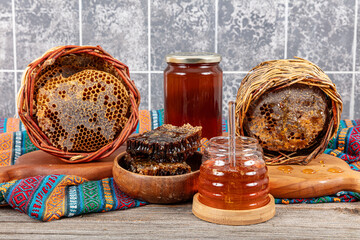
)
(322, 163)
(335, 170)
(285, 169)
(308, 171)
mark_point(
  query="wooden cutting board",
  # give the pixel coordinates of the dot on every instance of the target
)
(41, 163)
(314, 179)
(293, 183)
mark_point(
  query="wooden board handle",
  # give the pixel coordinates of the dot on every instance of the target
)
(298, 187)
(354, 182)
(4, 174)
(90, 171)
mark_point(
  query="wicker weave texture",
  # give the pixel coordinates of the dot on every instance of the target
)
(272, 77)
(99, 77)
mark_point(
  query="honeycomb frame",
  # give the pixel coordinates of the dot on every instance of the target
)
(34, 79)
(275, 75)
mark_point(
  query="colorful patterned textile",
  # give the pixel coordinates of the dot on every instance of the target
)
(346, 145)
(13, 145)
(339, 197)
(51, 197)
(14, 141)
(11, 125)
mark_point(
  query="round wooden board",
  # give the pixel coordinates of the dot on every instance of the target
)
(233, 217)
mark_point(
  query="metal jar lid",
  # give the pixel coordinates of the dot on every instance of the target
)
(193, 57)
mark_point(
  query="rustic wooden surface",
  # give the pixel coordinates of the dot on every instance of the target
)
(298, 221)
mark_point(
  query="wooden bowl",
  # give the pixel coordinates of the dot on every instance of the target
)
(158, 189)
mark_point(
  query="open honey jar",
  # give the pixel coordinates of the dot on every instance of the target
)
(233, 192)
(242, 186)
(193, 91)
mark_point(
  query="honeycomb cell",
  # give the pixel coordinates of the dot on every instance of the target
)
(288, 119)
(75, 108)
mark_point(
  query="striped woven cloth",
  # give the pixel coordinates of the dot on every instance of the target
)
(51, 197)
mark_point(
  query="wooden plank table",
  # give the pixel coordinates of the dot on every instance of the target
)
(297, 221)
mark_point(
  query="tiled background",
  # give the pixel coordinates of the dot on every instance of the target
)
(141, 32)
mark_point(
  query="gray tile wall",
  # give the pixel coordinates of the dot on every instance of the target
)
(141, 32)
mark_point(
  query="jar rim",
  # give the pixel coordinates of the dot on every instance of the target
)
(193, 57)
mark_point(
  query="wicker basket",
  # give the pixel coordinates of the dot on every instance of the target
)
(26, 101)
(278, 75)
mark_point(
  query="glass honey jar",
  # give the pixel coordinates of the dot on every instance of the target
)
(193, 91)
(240, 186)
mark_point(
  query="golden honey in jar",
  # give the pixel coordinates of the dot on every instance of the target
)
(240, 186)
(193, 91)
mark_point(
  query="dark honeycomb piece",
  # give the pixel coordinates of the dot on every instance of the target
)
(146, 167)
(166, 143)
(81, 111)
(288, 119)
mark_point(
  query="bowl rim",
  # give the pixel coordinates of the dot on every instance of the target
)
(117, 165)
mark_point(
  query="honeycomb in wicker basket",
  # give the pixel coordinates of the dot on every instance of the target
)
(80, 108)
(288, 119)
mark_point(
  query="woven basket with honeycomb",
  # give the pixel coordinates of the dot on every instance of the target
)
(292, 108)
(78, 103)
